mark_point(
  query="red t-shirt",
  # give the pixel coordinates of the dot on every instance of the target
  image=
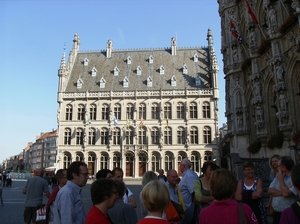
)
(95, 216)
(152, 220)
(225, 212)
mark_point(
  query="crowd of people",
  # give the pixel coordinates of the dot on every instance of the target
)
(214, 197)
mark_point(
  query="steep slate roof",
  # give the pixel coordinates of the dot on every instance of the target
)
(172, 64)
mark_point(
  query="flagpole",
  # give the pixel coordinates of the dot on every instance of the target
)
(262, 32)
(245, 50)
(284, 7)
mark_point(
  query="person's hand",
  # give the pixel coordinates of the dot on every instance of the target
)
(279, 175)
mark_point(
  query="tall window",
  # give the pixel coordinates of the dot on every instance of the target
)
(79, 157)
(104, 136)
(155, 162)
(180, 110)
(105, 112)
(168, 110)
(194, 135)
(93, 112)
(103, 161)
(195, 162)
(206, 110)
(117, 111)
(80, 112)
(129, 111)
(142, 111)
(129, 136)
(168, 136)
(92, 136)
(154, 111)
(67, 138)
(142, 136)
(79, 136)
(193, 110)
(154, 136)
(66, 160)
(207, 156)
(168, 161)
(116, 136)
(207, 134)
(116, 160)
(69, 112)
(180, 135)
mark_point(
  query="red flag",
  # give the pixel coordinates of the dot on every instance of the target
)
(251, 13)
(235, 33)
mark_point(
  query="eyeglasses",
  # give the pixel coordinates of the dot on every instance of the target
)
(84, 174)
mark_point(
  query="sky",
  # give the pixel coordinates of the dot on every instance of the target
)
(34, 34)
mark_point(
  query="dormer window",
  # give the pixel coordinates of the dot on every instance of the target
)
(198, 80)
(86, 62)
(195, 58)
(129, 60)
(125, 82)
(94, 71)
(116, 71)
(79, 83)
(185, 69)
(151, 59)
(139, 70)
(162, 70)
(149, 82)
(102, 83)
(173, 81)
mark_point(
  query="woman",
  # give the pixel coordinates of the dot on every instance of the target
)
(147, 177)
(250, 191)
(156, 198)
(104, 194)
(202, 189)
(273, 163)
(225, 210)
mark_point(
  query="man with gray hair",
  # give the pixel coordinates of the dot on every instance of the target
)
(187, 189)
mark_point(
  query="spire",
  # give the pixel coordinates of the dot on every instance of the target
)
(212, 53)
(173, 46)
(109, 48)
(63, 60)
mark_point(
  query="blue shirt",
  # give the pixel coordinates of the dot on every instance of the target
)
(173, 192)
(279, 203)
(187, 186)
(69, 206)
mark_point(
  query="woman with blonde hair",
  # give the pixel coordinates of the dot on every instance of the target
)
(156, 198)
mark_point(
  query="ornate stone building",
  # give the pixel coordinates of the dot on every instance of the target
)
(262, 76)
(141, 109)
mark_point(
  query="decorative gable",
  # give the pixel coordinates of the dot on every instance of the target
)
(161, 70)
(151, 59)
(79, 83)
(125, 82)
(116, 71)
(173, 81)
(86, 62)
(139, 70)
(185, 69)
(198, 80)
(94, 71)
(195, 57)
(149, 81)
(129, 60)
(102, 83)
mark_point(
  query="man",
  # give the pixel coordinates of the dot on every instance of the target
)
(281, 188)
(187, 189)
(161, 177)
(8, 179)
(34, 189)
(68, 203)
(292, 214)
(122, 212)
(4, 179)
(61, 177)
(174, 189)
(104, 174)
(128, 196)
(48, 178)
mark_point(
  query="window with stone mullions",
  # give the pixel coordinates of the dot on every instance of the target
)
(69, 112)
(207, 135)
(81, 112)
(155, 111)
(168, 136)
(142, 111)
(116, 136)
(155, 136)
(194, 135)
(129, 111)
(104, 136)
(180, 111)
(129, 137)
(142, 136)
(193, 110)
(67, 138)
(105, 112)
(92, 136)
(79, 136)
(93, 112)
(117, 111)
(180, 136)
(206, 110)
(167, 111)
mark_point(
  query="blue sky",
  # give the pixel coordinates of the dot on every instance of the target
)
(32, 38)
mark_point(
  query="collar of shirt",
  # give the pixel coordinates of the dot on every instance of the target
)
(74, 186)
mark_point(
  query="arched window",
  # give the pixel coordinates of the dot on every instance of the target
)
(195, 160)
(79, 136)
(129, 136)
(67, 136)
(193, 110)
(79, 156)
(93, 112)
(116, 136)
(168, 136)
(194, 135)
(207, 156)
(155, 162)
(104, 136)
(206, 134)
(142, 136)
(117, 111)
(142, 111)
(116, 160)
(69, 112)
(80, 112)
(169, 158)
(103, 161)
(180, 110)
(105, 112)
(154, 136)
(168, 110)
(154, 111)
(66, 160)
(206, 110)
(129, 111)
(180, 135)
(92, 136)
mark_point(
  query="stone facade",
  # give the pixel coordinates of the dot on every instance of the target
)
(262, 76)
(141, 109)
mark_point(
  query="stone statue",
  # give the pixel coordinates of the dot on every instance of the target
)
(161, 115)
(235, 55)
(240, 121)
(256, 88)
(279, 73)
(282, 102)
(252, 38)
(259, 113)
(173, 41)
(272, 20)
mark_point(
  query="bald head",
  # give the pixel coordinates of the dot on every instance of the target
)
(40, 172)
